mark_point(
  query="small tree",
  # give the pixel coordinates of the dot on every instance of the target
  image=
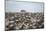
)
(23, 10)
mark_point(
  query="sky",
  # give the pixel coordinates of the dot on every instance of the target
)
(17, 6)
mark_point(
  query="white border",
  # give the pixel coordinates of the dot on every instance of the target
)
(2, 15)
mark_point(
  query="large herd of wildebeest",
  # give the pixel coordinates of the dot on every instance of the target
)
(24, 21)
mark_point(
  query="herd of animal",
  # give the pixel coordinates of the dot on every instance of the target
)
(24, 21)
